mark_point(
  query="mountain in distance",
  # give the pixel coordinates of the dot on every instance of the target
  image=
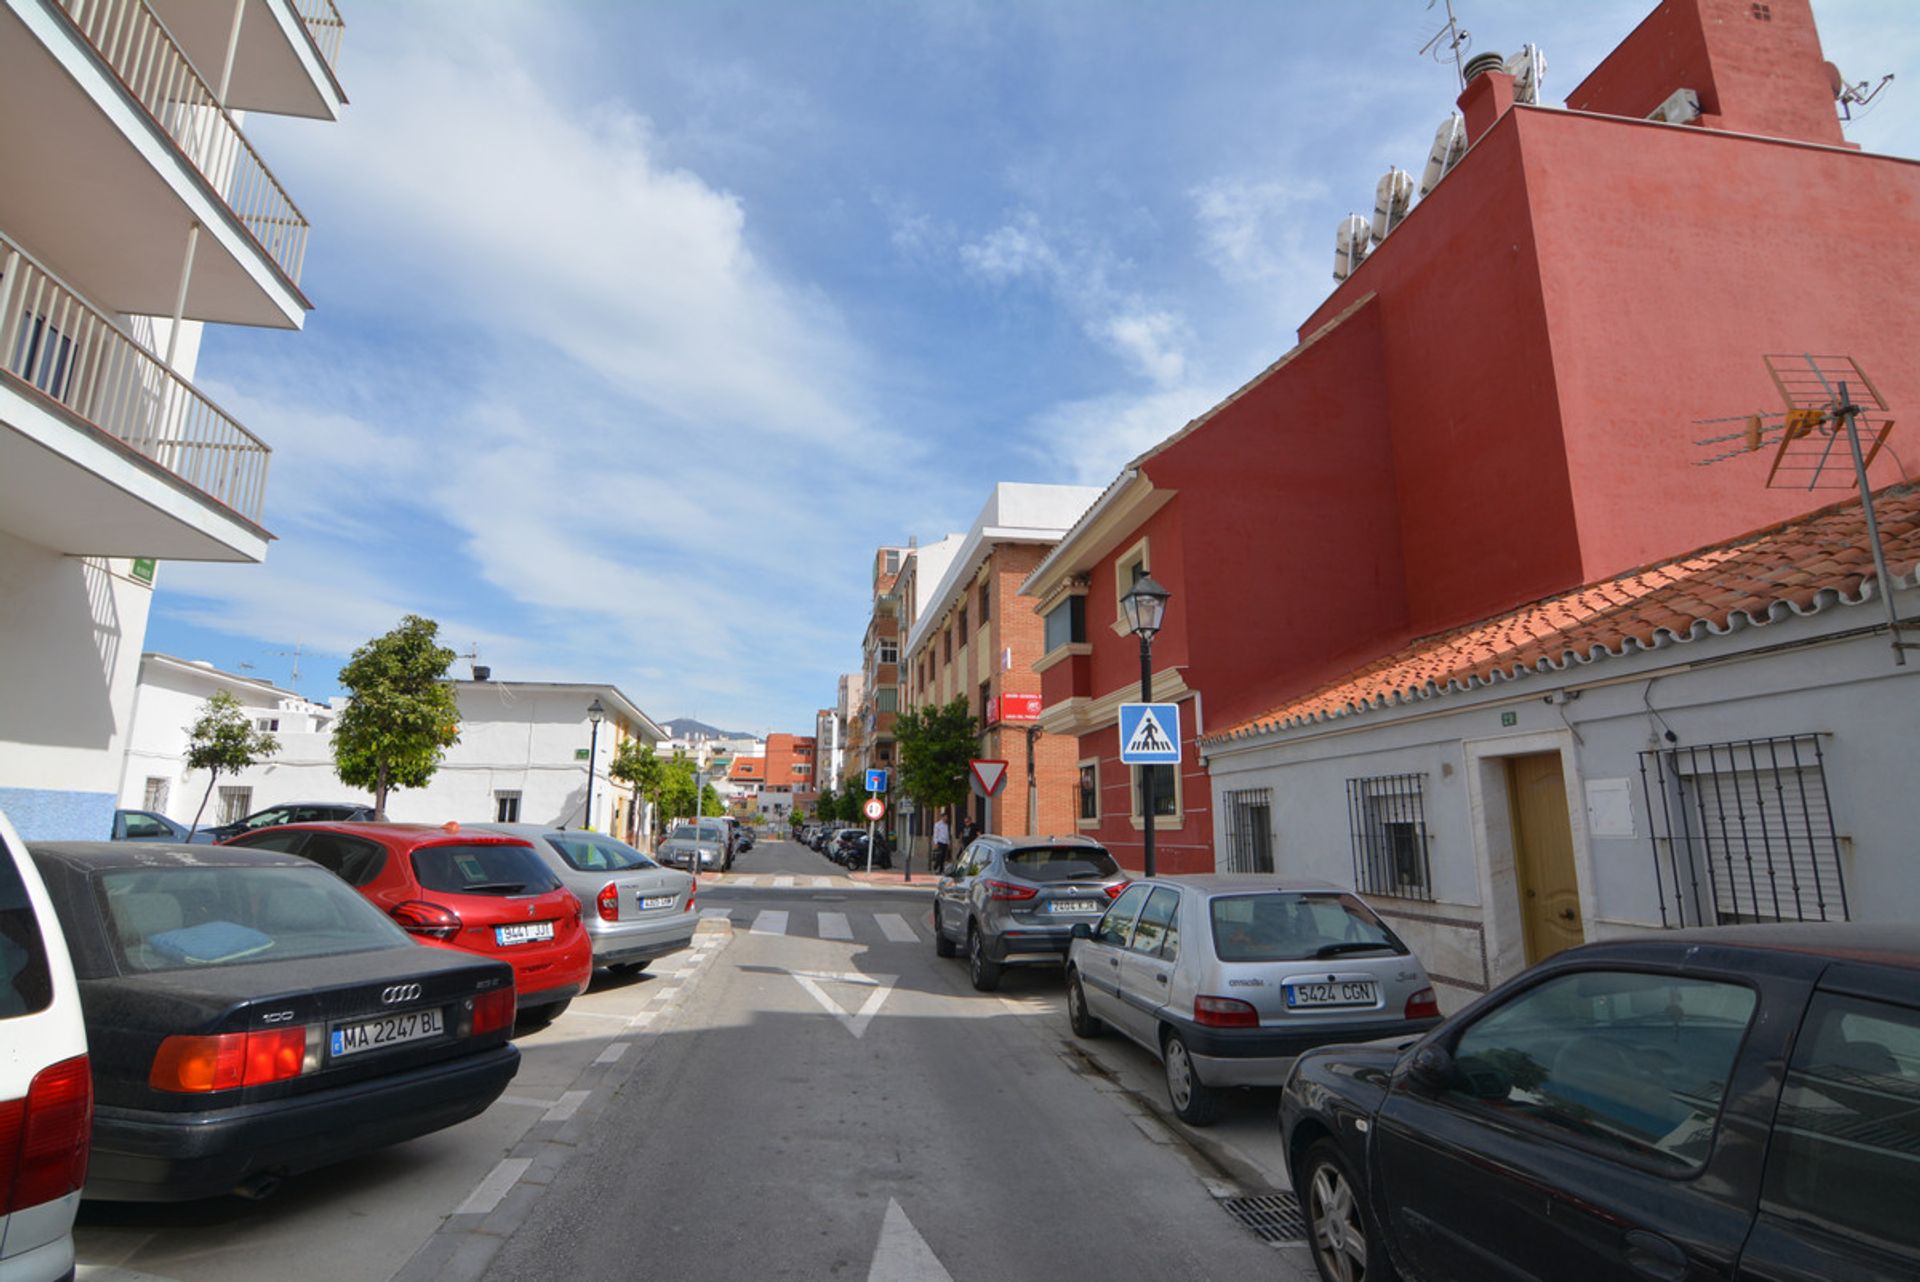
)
(688, 728)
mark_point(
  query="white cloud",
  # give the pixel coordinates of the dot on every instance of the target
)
(1251, 230)
(1089, 441)
(1155, 341)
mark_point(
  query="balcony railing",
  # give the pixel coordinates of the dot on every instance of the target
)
(71, 352)
(327, 28)
(134, 42)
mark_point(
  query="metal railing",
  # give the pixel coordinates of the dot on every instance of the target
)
(327, 28)
(1387, 819)
(71, 352)
(1249, 830)
(133, 41)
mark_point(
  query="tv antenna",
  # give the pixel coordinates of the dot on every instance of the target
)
(293, 679)
(1850, 95)
(1452, 39)
(1828, 399)
(479, 670)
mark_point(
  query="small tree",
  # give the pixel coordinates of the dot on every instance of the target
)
(640, 766)
(401, 715)
(937, 745)
(711, 806)
(676, 790)
(826, 805)
(224, 740)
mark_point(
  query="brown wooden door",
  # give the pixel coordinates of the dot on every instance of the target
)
(1543, 855)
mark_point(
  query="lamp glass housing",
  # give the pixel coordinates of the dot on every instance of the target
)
(1145, 605)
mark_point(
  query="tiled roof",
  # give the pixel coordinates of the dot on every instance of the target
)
(1797, 567)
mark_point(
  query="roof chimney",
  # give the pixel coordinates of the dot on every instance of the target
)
(1488, 94)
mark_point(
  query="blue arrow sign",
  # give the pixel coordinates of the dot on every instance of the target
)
(1149, 734)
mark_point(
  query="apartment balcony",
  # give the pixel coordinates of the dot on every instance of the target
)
(118, 148)
(104, 451)
(286, 53)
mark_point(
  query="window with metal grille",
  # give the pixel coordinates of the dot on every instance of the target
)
(1090, 791)
(1743, 832)
(1249, 830)
(1387, 817)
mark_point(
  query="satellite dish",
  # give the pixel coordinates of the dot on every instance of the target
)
(1449, 144)
(1528, 69)
(1391, 200)
(1350, 245)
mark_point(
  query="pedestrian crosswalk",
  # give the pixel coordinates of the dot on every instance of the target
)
(893, 928)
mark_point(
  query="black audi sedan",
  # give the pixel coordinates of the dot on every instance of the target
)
(1736, 1103)
(250, 1016)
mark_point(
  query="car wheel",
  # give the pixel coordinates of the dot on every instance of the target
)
(942, 946)
(629, 968)
(1085, 1023)
(541, 1016)
(1194, 1102)
(1345, 1242)
(981, 969)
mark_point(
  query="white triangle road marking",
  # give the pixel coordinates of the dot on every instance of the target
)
(855, 1023)
(902, 1255)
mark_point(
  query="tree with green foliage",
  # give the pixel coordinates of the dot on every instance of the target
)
(826, 806)
(711, 807)
(936, 745)
(639, 765)
(224, 740)
(400, 716)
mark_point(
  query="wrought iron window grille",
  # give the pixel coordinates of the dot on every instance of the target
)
(1387, 818)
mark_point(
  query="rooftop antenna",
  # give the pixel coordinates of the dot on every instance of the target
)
(1828, 399)
(1452, 39)
(293, 680)
(1850, 96)
(480, 671)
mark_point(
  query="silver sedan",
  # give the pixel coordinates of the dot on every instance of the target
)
(1228, 978)
(634, 909)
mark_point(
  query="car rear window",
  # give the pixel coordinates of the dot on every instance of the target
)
(28, 986)
(483, 870)
(195, 918)
(1294, 926)
(1062, 863)
(597, 854)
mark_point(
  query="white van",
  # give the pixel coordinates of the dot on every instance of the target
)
(46, 1086)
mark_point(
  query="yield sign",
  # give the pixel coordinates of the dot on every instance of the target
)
(989, 777)
(878, 987)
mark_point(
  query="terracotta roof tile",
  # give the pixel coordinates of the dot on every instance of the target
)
(1796, 567)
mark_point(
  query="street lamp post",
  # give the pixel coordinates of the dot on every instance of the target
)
(595, 711)
(1146, 606)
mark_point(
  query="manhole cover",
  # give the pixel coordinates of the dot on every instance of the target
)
(1273, 1218)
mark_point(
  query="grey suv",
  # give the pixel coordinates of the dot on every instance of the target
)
(1013, 901)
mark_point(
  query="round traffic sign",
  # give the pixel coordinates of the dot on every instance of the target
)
(875, 808)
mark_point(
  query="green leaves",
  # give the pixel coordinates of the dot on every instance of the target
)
(400, 716)
(936, 743)
(224, 739)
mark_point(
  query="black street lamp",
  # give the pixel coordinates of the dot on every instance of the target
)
(595, 711)
(1145, 606)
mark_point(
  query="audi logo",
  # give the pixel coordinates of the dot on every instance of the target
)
(400, 993)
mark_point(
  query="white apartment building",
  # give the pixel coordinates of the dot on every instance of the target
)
(133, 210)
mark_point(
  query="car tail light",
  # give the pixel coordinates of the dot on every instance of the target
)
(44, 1137)
(1224, 1012)
(692, 891)
(493, 1010)
(1423, 1005)
(220, 1063)
(1007, 890)
(608, 902)
(1113, 891)
(418, 917)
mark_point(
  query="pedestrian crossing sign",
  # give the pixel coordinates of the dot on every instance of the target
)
(1149, 733)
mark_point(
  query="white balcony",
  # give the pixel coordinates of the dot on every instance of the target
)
(286, 59)
(104, 451)
(123, 149)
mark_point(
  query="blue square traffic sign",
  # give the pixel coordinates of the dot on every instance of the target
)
(876, 781)
(1149, 733)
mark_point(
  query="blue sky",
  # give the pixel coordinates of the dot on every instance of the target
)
(640, 325)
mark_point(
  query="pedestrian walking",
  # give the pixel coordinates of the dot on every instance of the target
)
(941, 835)
(968, 831)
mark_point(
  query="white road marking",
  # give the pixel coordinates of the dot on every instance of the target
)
(499, 1182)
(528, 1101)
(771, 921)
(641, 1020)
(895, 928)
(834, 926)
(612, 1054)
(902, 1255)
(782, 881)
(716, 912)
(855, 1023)
(567, 1106)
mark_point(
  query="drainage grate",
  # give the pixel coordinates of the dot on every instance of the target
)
(1274, 1218)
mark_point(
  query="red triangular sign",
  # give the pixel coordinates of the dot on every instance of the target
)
(989, 776)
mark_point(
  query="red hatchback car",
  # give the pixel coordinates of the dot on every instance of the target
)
(481, 892)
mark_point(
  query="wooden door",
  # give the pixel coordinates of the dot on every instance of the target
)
(1543, 855)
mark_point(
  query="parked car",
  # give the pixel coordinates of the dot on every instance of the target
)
(747, 838)
(482, 892)
(851, 852)
(46, 1078)
(835, 845)
(294, 812)
(689, 844)
(1740, 1102)
(640, 910)
(1227, 978)
(251, 1017)
(1012, 901)
(151, 825)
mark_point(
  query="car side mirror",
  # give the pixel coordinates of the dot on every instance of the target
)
(1433, 1068)
(1081, 930)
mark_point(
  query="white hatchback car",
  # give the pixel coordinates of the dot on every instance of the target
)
(46, 1084)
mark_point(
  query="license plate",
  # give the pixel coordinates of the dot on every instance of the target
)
(523, 932)
(1356, 992)
(1075, 906)
(656, 901)
(387, 1030)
